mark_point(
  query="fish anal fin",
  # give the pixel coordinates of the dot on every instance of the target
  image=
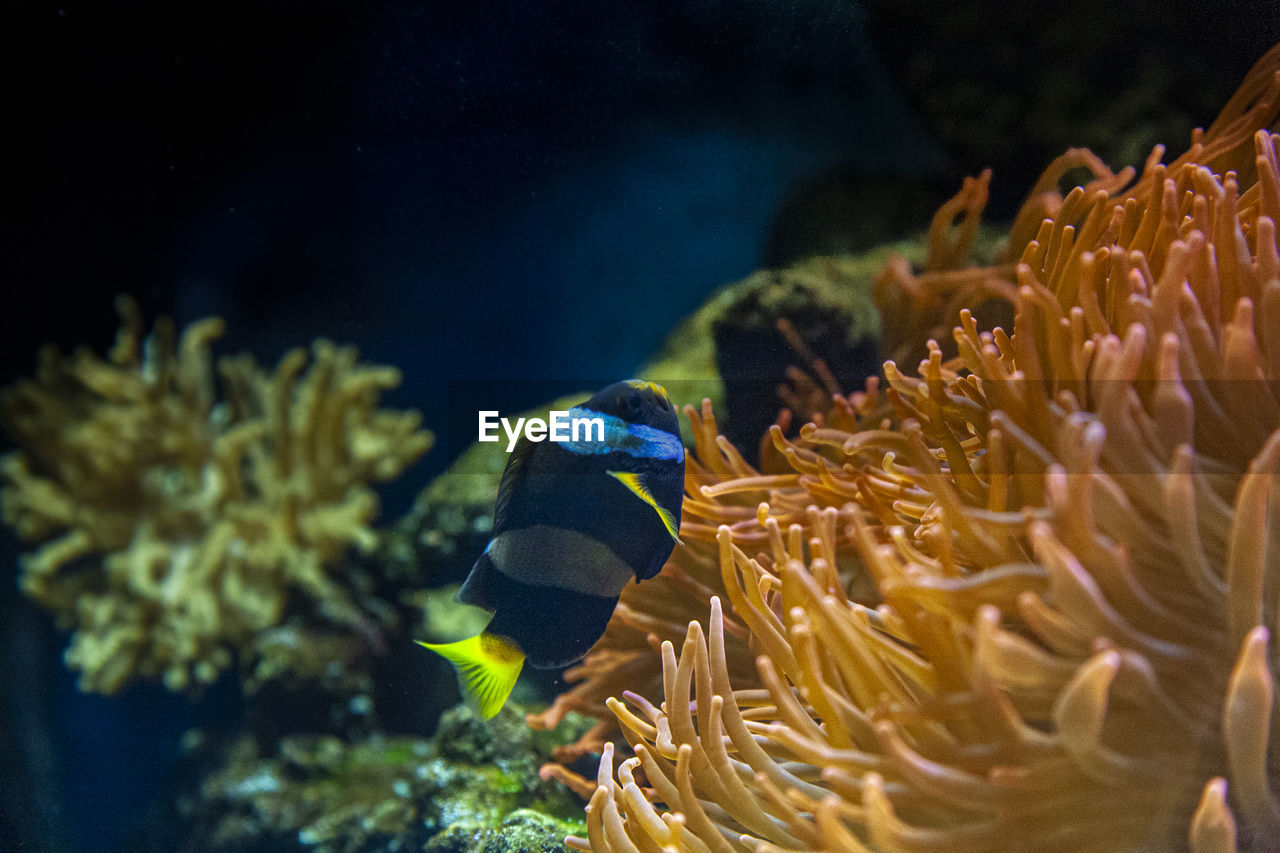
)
(636, 486)
(487, 667)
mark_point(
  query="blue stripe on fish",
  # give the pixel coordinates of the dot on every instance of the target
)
(637, 440)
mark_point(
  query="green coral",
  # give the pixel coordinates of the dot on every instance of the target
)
(444, 619)
(523, 831)
(473, 783)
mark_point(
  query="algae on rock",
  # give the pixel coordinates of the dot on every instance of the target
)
(471, 783)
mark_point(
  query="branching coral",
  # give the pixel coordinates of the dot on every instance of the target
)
(175, 527)
(1072, 533)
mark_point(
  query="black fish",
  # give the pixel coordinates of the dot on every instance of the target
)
(575, 520)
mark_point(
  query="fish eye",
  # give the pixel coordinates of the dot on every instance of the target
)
(629, 404)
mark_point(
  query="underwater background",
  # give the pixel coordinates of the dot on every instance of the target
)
(507, 201)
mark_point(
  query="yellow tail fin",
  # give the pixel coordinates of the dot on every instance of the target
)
(487, 667)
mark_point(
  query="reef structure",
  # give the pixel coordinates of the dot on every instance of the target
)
(1019, 600)
(471, 788)
(174, 528)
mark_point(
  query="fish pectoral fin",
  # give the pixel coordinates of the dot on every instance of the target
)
(636, 486)
(487, 667)
(512, 477)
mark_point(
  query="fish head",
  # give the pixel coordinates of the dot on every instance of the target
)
(637, 402)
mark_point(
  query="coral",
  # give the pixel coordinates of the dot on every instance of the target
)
(819, 306)
(175, 528)
(472, 784)
(523, 831)
(732, 351)
(444, 619)
(1030, 607)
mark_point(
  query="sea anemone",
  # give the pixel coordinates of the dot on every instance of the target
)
(1020, 600)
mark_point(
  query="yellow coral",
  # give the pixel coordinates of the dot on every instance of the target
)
(173, 526)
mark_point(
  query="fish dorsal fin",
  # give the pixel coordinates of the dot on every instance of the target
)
(512, 476)
(487, 667)
(636, 486)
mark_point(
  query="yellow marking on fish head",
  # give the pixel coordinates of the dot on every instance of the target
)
(658, 390)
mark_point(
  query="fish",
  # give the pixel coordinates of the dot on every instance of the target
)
(574, 522)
